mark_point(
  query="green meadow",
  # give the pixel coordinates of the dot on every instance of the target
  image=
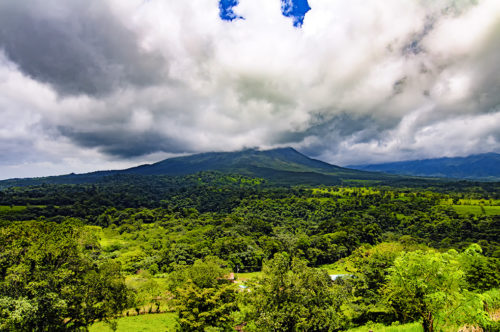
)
(477, 210)
(141, 323)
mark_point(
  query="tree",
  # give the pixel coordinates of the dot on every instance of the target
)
(204, 297)
(369, 266)
(51, 278)
(290, 296)
(482, 273)
(428, 286)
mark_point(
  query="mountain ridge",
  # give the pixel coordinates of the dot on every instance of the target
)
(239, 159)
(281, 165)
(484, 166)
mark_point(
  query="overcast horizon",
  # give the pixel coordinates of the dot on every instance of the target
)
(110, 84)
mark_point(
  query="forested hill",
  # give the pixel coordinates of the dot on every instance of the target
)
(478, 167)
(244, 161)
(284, 166)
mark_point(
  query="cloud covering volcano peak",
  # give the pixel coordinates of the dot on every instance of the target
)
(88, 85)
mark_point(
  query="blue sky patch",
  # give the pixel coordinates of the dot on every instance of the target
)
(296, 9)
(226, 10)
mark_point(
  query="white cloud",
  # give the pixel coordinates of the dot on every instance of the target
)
(401, 75)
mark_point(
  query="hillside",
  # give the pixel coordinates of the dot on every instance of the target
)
(280, 166)
(285, 159)
(476, 167)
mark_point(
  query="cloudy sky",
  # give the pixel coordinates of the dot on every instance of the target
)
(106, 84)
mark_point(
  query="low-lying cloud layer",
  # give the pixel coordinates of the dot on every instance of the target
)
(94, 84)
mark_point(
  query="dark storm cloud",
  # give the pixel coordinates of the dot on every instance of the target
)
(86, 85)
(334, 130)
(124, 144)
(343, 125)
(76, 46)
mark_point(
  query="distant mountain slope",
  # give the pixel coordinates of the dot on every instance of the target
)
(284, 159)
(478, 167)
(280, 166)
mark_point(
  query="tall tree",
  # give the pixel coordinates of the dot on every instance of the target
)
(51, 278)
(431, 287)
(204, 296)
(290, 296)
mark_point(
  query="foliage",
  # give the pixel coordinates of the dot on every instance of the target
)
(51, 279)
(204, 297)
(147, 291)
(289, 296)
(368, 267)
(430, 286)
(482, 273)
(492, 298)
(154, 226)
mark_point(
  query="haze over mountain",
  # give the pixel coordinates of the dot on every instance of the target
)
(484, 166)
(282, 166)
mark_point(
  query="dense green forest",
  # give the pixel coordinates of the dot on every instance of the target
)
(224, 252)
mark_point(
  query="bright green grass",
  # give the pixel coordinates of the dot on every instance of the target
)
(247, 275)
(166, 322)
(142, 323)
(476, 210)
(412, 327)
(16, 208)
(137, 279)
(109, 237)
(6, 208)
(339, 267)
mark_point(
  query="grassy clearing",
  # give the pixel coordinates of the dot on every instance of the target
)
(110, 237)
(339, 267)
(16, 208)
(477, 210)
(246, 276)
(141, 323)
(167, 322)
(412, 327)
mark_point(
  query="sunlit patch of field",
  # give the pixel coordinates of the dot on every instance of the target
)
(339, 267)
(477, 210)
(141, 323)
(247, 275)
(412, 327)
(16, 208)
